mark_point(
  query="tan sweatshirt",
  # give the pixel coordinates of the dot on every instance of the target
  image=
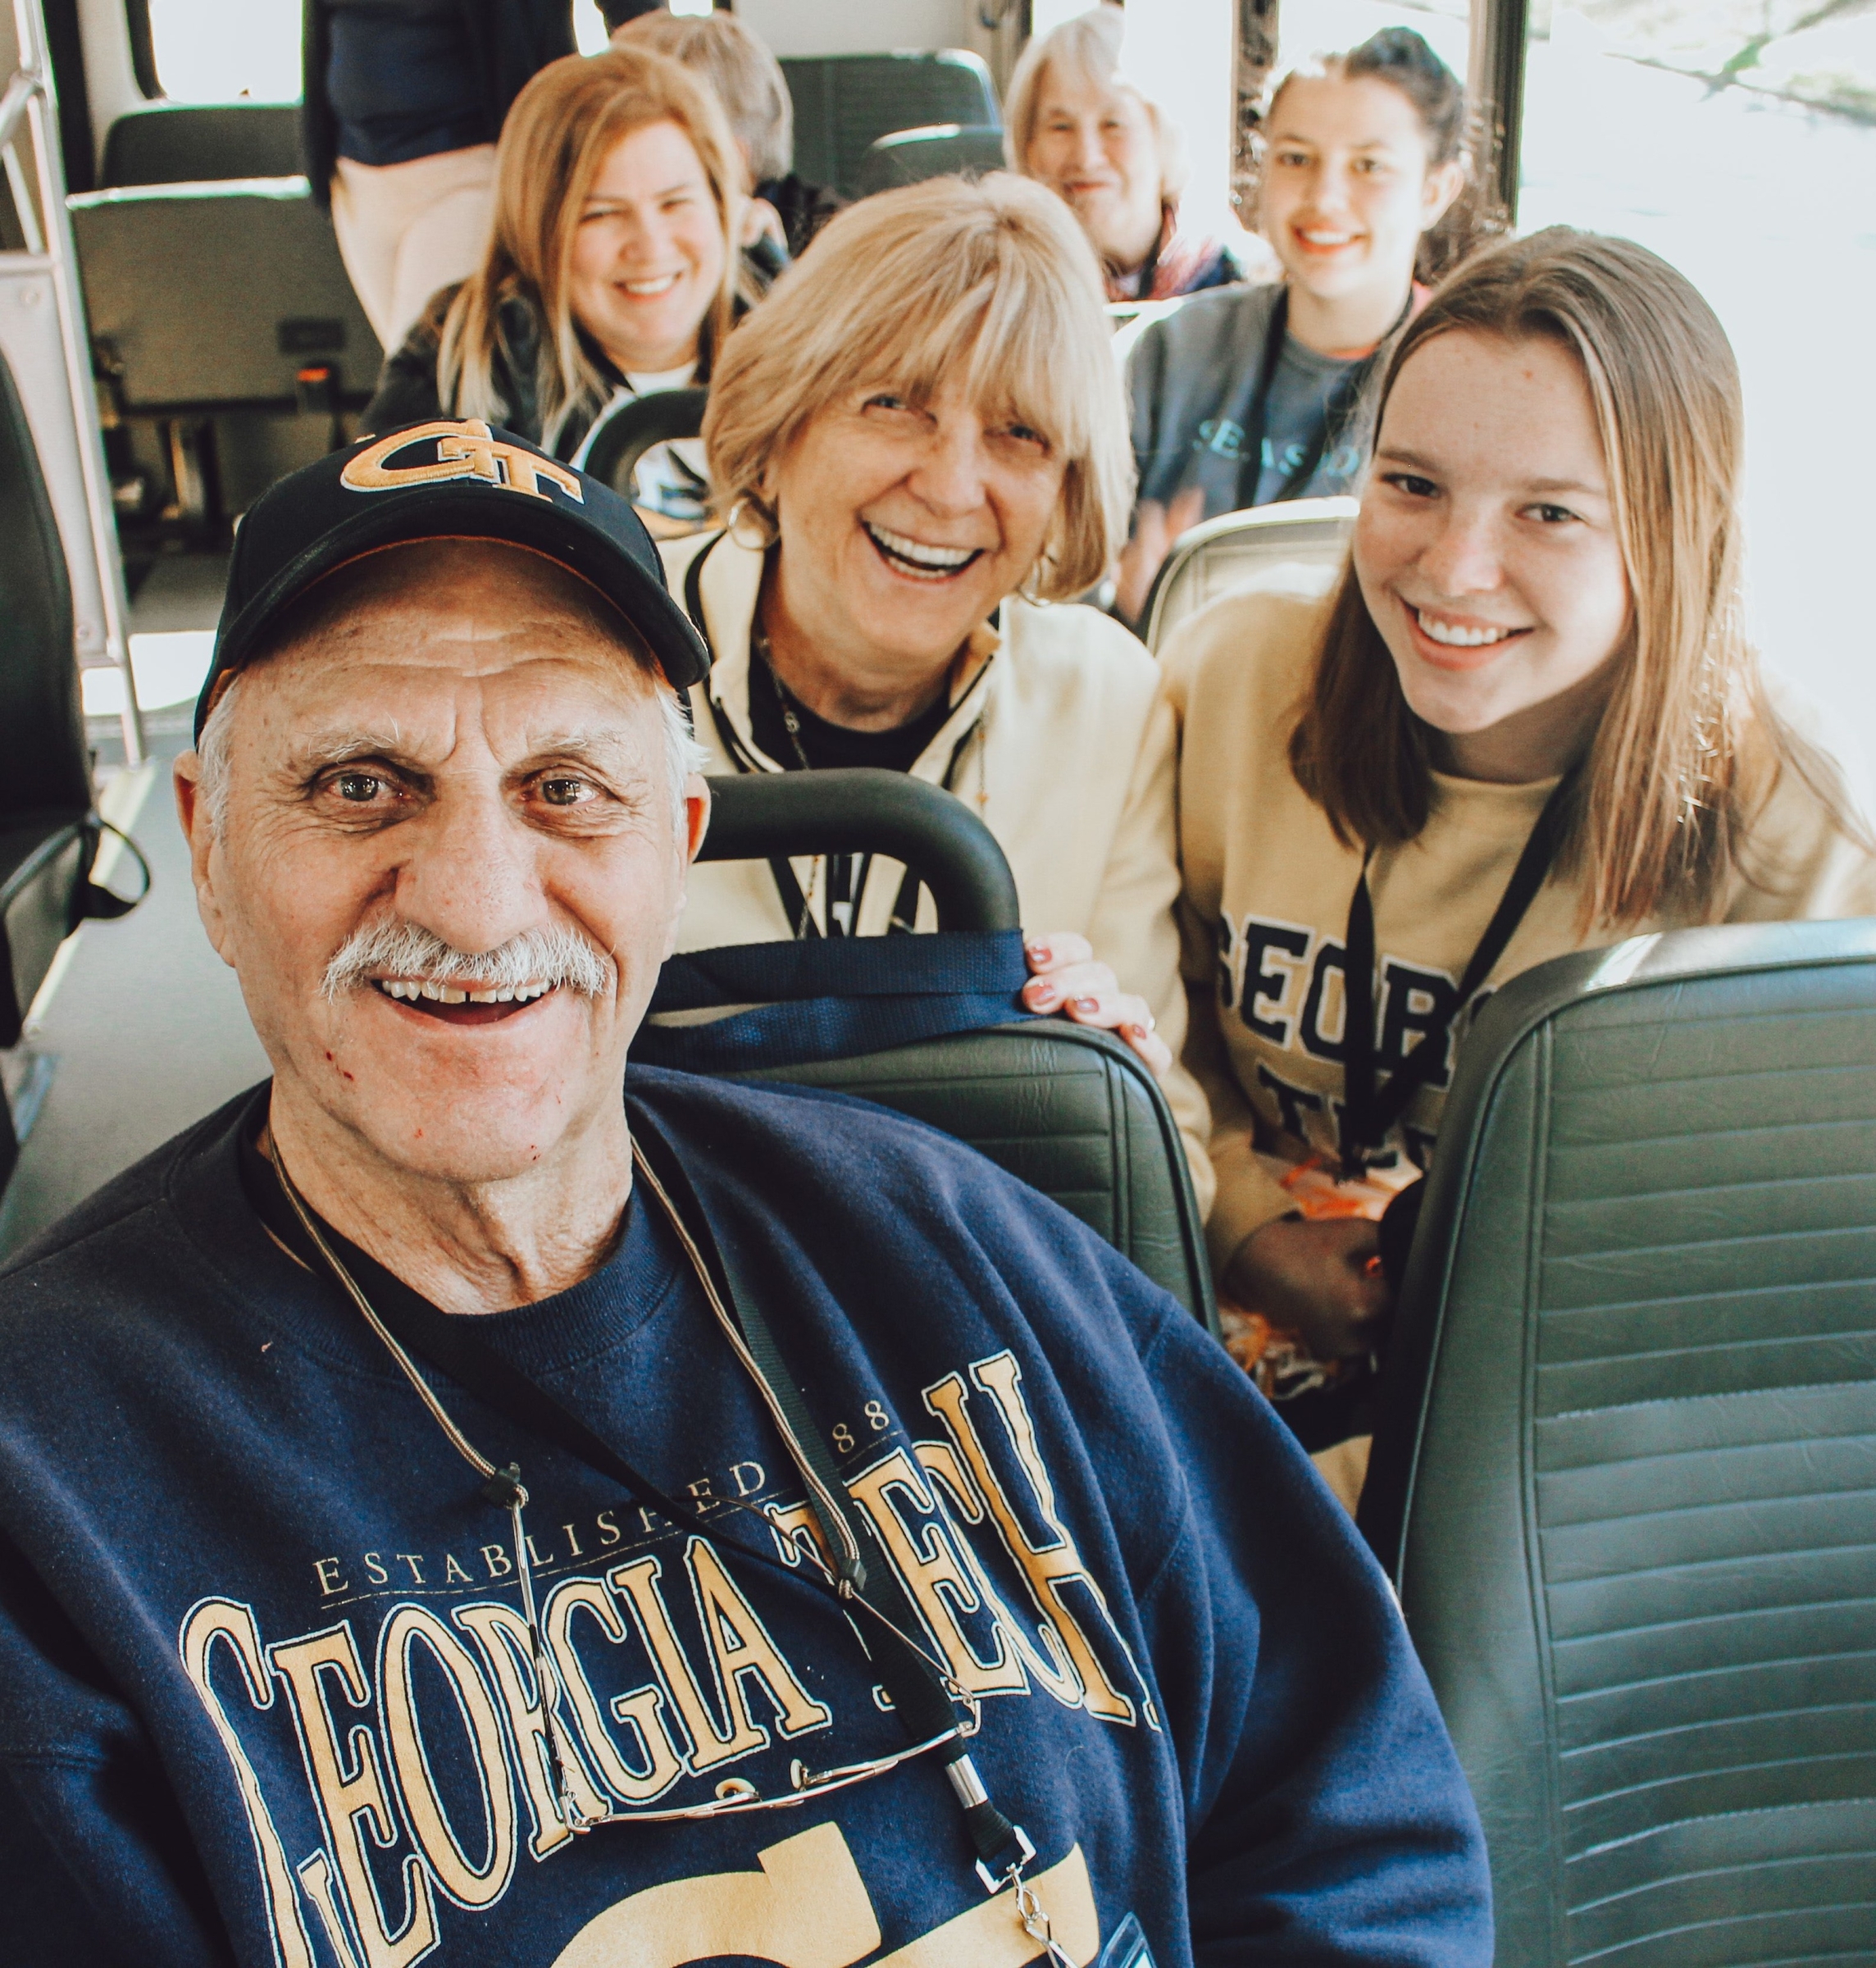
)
(1264, 911)
(1057, 742)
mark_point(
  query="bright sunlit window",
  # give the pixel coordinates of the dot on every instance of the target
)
(224, 51)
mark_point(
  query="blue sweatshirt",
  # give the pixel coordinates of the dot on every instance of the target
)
(265, 1693)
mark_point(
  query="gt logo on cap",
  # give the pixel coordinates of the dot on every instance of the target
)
(468, 449)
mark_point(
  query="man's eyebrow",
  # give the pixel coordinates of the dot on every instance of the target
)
(341, 743)
(588, 741)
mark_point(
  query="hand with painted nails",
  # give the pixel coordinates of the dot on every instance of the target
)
(1066, 977)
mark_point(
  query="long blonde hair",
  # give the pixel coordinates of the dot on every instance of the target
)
(990, 283)
(1687, 748)
(557, 135)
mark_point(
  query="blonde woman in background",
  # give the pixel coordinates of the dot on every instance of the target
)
(1526, 722)
(786, 210)
(919, 439)
(1075, 123)
(613, 271)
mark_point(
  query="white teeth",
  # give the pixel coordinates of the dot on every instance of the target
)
(663, 284)
(407, 991)
(1328, 239)
(1456, 637)
(925, 562)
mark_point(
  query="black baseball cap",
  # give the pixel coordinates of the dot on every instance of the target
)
(448, 479)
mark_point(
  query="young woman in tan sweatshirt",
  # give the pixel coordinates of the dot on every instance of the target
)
(1538, 634)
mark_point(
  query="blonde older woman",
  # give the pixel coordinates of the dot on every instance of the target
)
(1074, 121)
(921, 441)
(613, 271)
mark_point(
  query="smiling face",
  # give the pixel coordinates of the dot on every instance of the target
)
(903, 526)
(1096, 147)
(1488, 553)
(647, 254)
(1348, 188)
(448, 864)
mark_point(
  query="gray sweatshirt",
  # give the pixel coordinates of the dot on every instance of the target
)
(1193, 381)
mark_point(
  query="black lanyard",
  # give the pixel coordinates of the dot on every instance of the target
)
(923, 1697)
(1368, 1113)
(1336, 412)
(847, 874)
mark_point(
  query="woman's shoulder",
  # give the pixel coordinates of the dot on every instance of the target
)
(1808, 854)
(1074, 647)
(1258, 641)
(1214, 320)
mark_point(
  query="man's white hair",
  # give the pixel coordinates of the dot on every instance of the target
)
(683, 755)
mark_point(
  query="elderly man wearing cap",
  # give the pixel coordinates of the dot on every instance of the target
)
(448, 1509)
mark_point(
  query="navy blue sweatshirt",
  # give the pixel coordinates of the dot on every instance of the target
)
(265, 1694)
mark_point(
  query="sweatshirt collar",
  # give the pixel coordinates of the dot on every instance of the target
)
(729, 587)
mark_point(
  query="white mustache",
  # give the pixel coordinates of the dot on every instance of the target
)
(550, 957)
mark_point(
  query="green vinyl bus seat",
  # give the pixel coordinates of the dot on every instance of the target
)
(48, 830)
(193, 142)
(907, 156)
(214, 295)
(1070, 1111)
(1626, 1482)
(843, 103)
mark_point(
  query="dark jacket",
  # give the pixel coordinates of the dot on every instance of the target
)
(804, 208)
(509, 42)
(258, 1622)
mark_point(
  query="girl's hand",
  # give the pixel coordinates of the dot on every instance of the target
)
(1322, 1281)
(1065, 977)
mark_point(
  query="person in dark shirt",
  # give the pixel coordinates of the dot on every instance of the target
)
(786, 211)
(1264, 393)
(402, 103)
(450, 1511)
(614, 272)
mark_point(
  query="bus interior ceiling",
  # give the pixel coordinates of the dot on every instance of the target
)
(230, 348)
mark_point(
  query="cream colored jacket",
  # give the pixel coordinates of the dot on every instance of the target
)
(1267, 886)
(1056, 742)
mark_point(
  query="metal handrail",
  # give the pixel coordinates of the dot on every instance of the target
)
(30, 100)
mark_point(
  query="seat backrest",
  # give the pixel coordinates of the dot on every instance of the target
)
(213, 296)
(620, 439)
(44, 766)
(1070, 1112)
(843, 103)
(1627, 1481)
(193, 142)
(907, 156)
(1299, 540)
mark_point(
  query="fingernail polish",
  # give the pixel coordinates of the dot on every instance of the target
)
(1087, 1004)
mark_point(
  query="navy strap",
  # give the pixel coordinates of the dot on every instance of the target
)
(830, 998)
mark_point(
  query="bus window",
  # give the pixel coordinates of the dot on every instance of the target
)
(1743, 159)
(222, 51)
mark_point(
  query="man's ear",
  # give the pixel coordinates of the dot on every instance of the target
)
(192, 810)
(696, 825)
(696, 814)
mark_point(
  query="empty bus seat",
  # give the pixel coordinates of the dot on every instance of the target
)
(1626, 1481)
(622, 436)
(213, 296)
(193, 143)
(1298, 538)
(1070, 1111)
(843, 103)
(47, 830)
(909, 156)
